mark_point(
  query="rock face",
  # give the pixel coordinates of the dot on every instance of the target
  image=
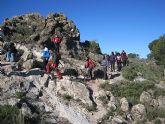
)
(33, 29)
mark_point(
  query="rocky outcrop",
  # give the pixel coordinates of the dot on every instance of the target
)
(138, 112)
(31, 30)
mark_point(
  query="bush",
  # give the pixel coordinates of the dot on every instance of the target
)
(104, 99)
(91, 108)
(153, 113)
(148, 71)
(130, 90)
(9, 114)
(67, 97)
(20, 95)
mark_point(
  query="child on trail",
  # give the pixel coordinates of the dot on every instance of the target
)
(89, 64)
(45, 56)
(54, 63)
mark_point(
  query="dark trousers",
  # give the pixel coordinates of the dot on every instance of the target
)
(119, 65)
(124, 62)
(105, 72)
(112, 66)
(45, 62)
(90, 73)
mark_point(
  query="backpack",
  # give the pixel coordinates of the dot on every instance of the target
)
(56, 40)
(46, 54)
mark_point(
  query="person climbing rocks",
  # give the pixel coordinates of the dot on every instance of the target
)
(105, 65)
(11, 52)
(124, 58)
(119, 61)
(45, 54)
(56, 40)
(7, 28)
(54, 63)
(112, 61)
(90, 65)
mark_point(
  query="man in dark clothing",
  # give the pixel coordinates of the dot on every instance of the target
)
(112, 61)
(124, 58)
(105, 65)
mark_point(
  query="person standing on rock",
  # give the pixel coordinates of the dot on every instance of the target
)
(89, 64)
(56, 40)
(10, 52)
(54, 62)
(105, 65)
(45, 56)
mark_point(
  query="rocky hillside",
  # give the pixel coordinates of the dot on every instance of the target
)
(134, 96)
(31, 30)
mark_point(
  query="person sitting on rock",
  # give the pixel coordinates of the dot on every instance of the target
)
(11, 52)
(89, 64)
(45, 56)
(53, 63)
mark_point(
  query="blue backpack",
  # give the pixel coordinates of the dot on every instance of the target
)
(46, 54)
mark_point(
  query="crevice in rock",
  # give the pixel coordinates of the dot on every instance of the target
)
(91, 96)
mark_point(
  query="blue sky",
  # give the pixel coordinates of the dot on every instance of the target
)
(115, 24)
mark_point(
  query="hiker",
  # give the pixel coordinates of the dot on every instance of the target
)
(112, 61)
(89, 64)
(105, 65)
(124, 58)
(54, 63)
(1, 34)
(118, 59)
(56, 40)
(7, 27)
(10, 52)
(45, 56)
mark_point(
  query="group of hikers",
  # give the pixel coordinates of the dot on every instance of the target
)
(52, 56)
(108, 61)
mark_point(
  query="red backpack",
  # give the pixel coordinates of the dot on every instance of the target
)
(56, 40)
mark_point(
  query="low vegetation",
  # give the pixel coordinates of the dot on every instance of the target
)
(147, 71)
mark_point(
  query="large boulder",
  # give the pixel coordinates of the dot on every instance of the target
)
(138, 112)
(124, 104)
(145, 98)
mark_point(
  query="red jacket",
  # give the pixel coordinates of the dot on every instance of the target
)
(89, 64)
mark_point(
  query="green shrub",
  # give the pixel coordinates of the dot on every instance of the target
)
(67, 97)
(148, 71)
(130, 90)
(104, 99)
(20, 95)
(9, 114)
(153, 113)
(91, 108)
(157, 121)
